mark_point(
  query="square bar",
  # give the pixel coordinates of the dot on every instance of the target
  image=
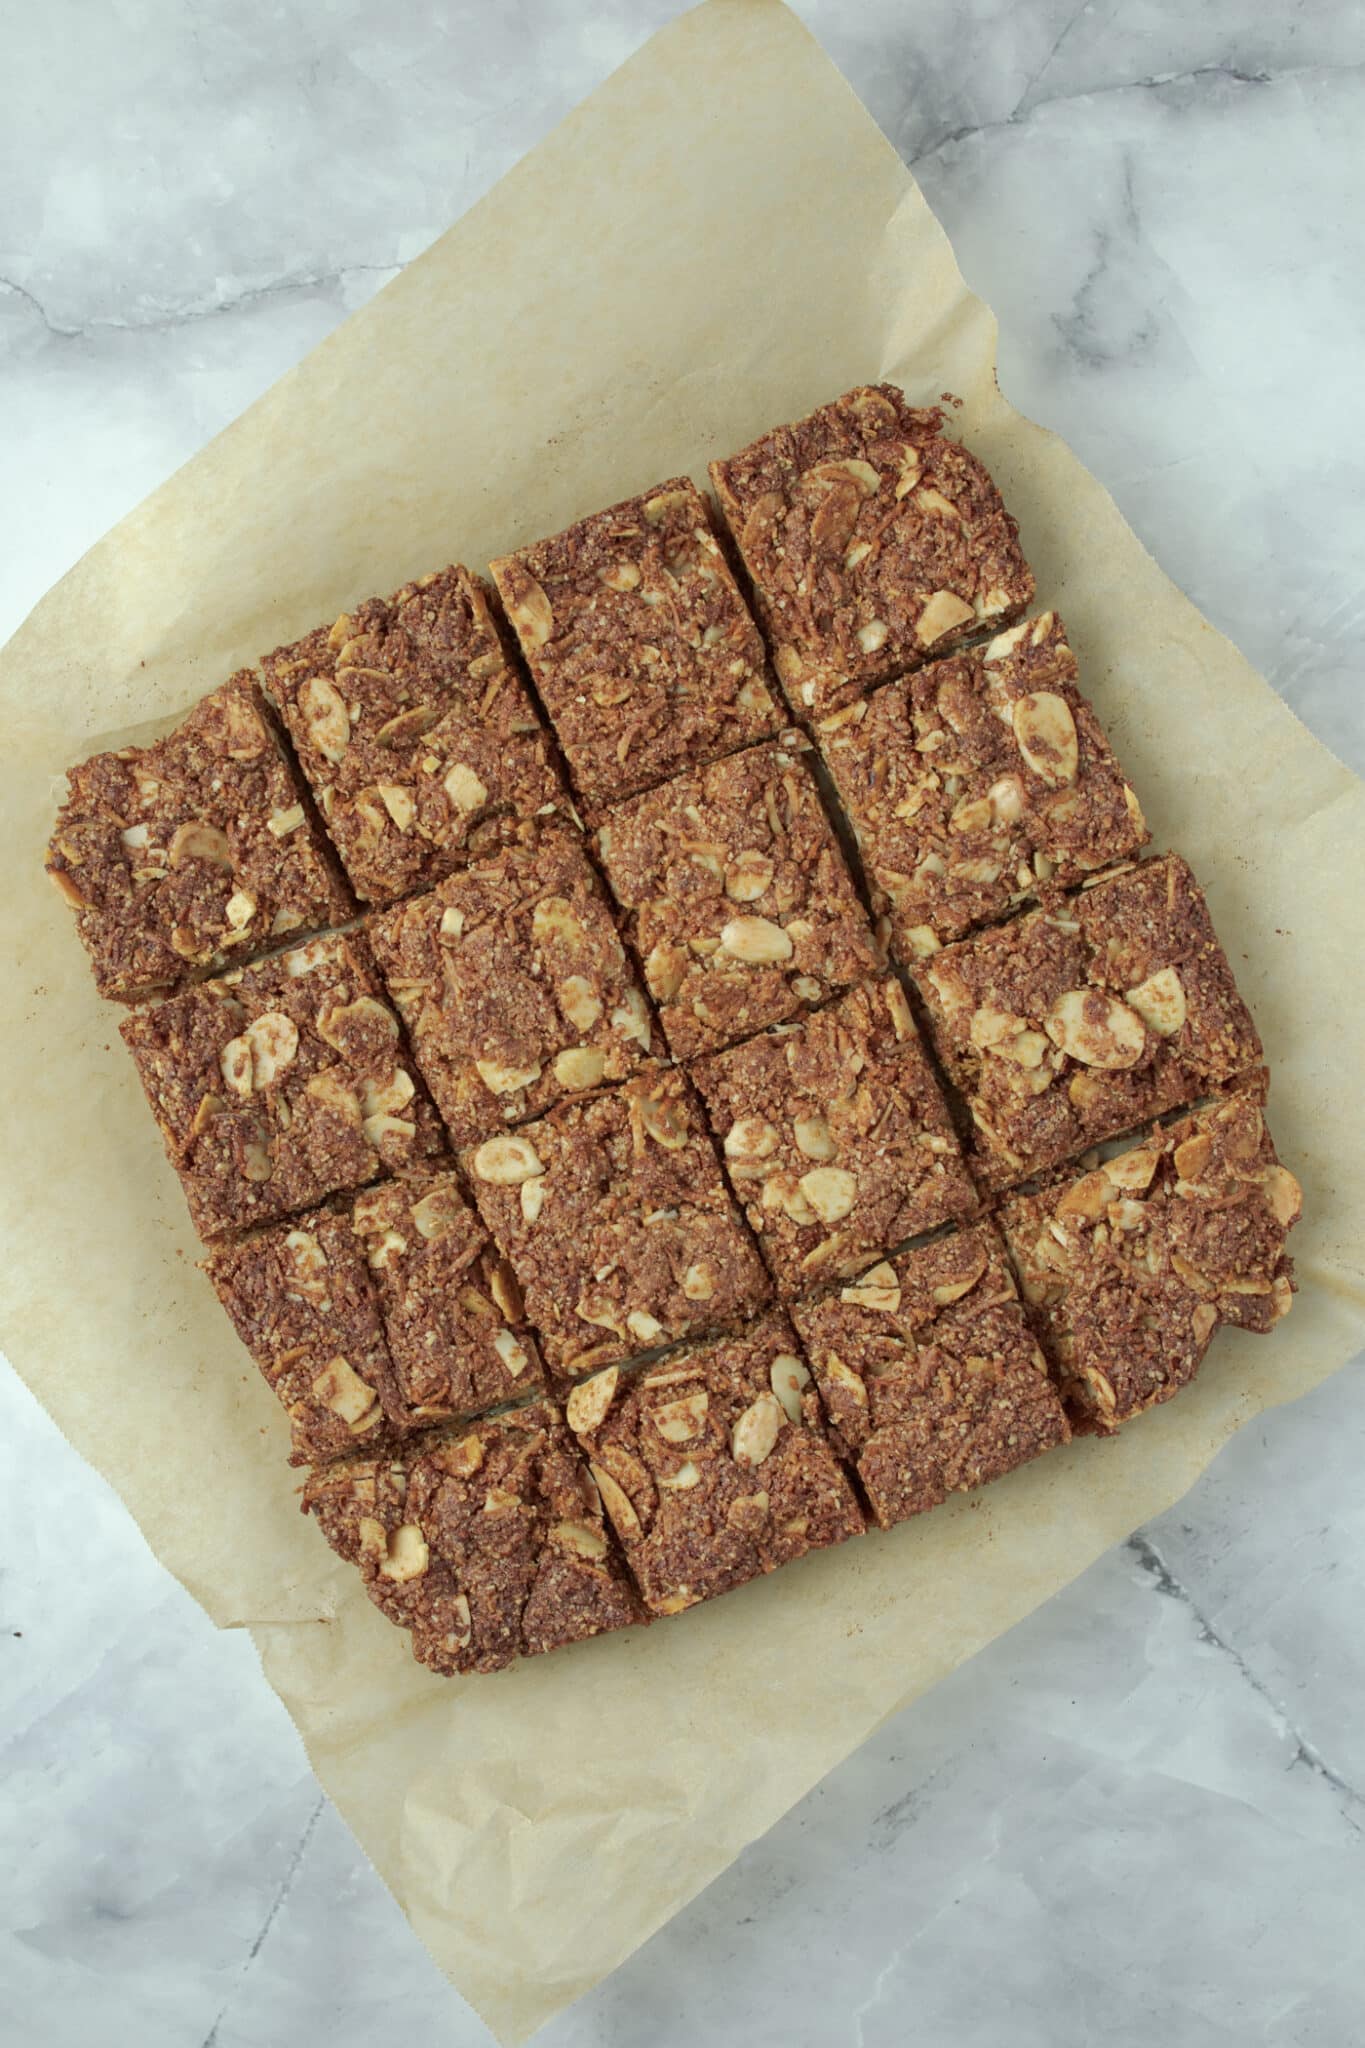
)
(714, 1465)
(930, 1375)
(514, 986)
(278, 1085)
(836, 1134)
(416, 732)
(617, 1223)
(488, 1544)
(1080, 1021)
(640, 643)
(872, 541)
(374, 1317)
(978, 783)
(197, 851)
(739, 901)
(1130, 1269)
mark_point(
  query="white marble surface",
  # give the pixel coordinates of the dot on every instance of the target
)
(1139, 1817)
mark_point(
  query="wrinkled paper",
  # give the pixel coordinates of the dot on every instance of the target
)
(717, 240)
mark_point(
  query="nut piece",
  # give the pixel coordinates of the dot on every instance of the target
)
(408, 1555)
(580, 1066)
(339, 1387)
(830, 1190)
(199, 842)
(464, 788)
(756, 1430)
(328, 721)
(943, 613)
(589, 1401)
(507, 1160)
(789, 1376)
(1096, 1029)
(756, 940)
(1046, 734)
(617, 1503)
(1160, 1002)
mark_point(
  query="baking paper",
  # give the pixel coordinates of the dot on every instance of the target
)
(717, 240)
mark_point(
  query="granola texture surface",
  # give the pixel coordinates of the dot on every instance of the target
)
(300, 1299)
(186, 856)
(641, 645)
(738, 899)
(616, 1220)
(930, 1376)
(873, 542)
(416, 732)
(979, 783)
(713, 1465)
(1130, 1268)
(837, 1136)
(514, 986)
(487, 1545)
(1080, 1021)
(280, 1084)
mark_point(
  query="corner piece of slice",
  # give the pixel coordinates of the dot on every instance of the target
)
(979, 783)
(713, 1465)
(615, 1218)
(836, 1136)
(487, 1545)
(737, 896)
(1084, 1019)
(281, 1084)
(416, 732)
(1131, 1268)
(640, 643)
(514, 985)
(930, 1375)
(374, 1317)
(196, 852)
(873, 543)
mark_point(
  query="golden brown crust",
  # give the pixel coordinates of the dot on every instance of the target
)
(488, 1545)
(837, 1137)
(873, 542)
(738, 900)
(514, 985)
(641, 646)
(1082, 1020)
(617, 1223)
(930, 1375)
(713, 1464)
(196, 852)
(415, 731)
(979, 783)
(1131, 1268)
(280, 1084)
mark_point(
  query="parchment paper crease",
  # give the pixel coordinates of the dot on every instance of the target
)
(717, 240)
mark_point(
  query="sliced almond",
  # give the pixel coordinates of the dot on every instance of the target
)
(274, 1040)
(747, 876)
(752, 1137)
(789, 1376)
(943, 613)
(618, 1505)
(399, 804)
(683, 1420)
(339, 1387)
(326, 717)
(830, 1190)
(1284, 1195)
(199, 842)
(505, 1080)
(756, 1430)
(1096, 1029)
(813, 1137)
(589, 1401)
(581, 1538)
(1046, 735)
(1160, 1002)
(877, 1288)
(507, 1160)
(757, 941)
(580, 1066)
(464, 788)
(527, 605)
(664, 970)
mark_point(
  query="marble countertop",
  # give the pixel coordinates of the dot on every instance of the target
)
(1137, 1818)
